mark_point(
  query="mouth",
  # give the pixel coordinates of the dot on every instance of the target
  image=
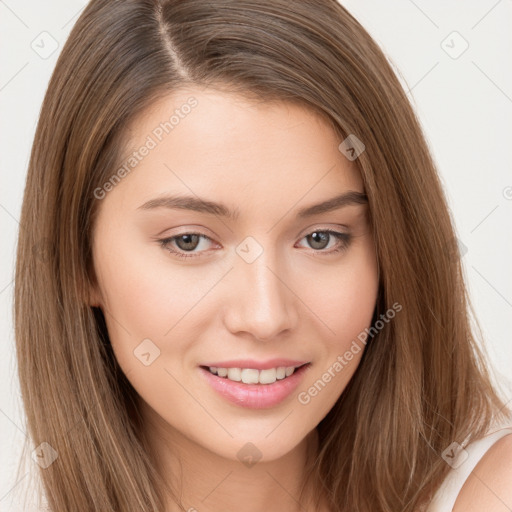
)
(253, 375)
(254, 388)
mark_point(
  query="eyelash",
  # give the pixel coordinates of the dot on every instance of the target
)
(344, 239)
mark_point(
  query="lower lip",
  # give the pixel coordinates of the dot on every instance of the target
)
(255, 396)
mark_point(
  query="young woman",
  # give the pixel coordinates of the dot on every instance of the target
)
(237, 285)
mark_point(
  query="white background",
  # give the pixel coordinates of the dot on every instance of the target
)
(464, 103)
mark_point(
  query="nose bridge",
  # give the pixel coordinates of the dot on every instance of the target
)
(262, 303)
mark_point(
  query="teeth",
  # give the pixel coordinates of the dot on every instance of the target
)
(252, 376)
(235, 374)
(249, 376)
(267, 376)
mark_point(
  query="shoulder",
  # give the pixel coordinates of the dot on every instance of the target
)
(489, 485)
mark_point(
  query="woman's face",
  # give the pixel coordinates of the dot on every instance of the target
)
(209, 251)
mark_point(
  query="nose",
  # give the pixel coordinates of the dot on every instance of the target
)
(261, 302)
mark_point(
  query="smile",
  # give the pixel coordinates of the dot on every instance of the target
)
(253, 376)
(254, 388)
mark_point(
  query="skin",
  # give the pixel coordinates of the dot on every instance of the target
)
(488, 487)
(295, 300)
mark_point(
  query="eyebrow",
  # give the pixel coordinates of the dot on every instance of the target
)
(210, 207)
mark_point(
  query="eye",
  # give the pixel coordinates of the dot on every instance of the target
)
(318, 240)
(186, 242)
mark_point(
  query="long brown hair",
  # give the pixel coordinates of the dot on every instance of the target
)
(422, 382)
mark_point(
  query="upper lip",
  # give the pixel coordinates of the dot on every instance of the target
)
(256, 365)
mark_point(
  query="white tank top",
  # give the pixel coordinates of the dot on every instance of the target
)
(463, 462)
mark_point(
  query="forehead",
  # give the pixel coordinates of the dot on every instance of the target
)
(206, 141)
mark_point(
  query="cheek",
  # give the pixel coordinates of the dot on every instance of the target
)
(344, 296)
(354, 304)
(143, 290)
(347, 310)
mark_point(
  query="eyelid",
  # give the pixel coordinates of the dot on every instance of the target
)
(320, 227)
(190, 230)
